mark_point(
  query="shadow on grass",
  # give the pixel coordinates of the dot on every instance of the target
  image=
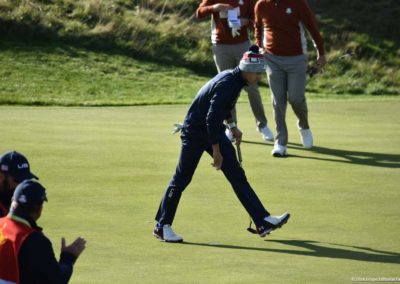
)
(346, 156)
(318, 249)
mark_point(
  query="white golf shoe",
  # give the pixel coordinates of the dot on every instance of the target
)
(306, 138)
(166, 234)
(279, 151)
(266, 133)
(272, 223)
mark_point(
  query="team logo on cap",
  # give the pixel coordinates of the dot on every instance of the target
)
(23, 166)
(22, 199)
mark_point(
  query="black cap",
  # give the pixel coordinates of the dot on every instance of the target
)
(15, 164)
(30, 192)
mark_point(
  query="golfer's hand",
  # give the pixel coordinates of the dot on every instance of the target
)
(221, 7)
(237, 134)
(76, 248)
(321, 62)
(217, 156)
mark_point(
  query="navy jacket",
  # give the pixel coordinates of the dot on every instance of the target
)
(37, 263)
(213, 104)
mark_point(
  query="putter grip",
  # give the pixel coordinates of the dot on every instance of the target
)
(239, 152)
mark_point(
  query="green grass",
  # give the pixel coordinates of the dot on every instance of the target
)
(53, 75)
(106, 168)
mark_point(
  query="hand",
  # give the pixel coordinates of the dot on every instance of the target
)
(321, 62)
(217, 156)
(221, 7)
(237, 134)
(76, 248)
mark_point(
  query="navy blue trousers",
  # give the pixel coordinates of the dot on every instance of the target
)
(193, 146)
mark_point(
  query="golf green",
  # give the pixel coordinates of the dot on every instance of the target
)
(105, 170)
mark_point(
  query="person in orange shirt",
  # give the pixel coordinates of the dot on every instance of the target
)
(26, 254)
(280, 31)
(230, 21)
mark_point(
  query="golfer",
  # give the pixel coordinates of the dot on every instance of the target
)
(203, 130)
(26, 254)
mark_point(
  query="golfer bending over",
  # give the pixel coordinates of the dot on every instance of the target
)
(204, 130)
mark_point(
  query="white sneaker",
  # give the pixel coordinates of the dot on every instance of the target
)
(272, 223)
(166, 234)
(228, 134)
(306, 138)
(276, 220)
(266, 133)
(279, 151)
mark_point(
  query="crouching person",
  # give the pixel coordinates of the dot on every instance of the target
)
(26, 254)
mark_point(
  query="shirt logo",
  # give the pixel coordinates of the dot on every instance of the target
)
(241, 2)
(289, 11)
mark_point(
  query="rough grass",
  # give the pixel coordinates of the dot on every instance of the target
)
(167, 32)
(68, 76)
(50, 75)
(106, 168)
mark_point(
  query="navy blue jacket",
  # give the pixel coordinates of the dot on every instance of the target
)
(213, 104)
(37, 263)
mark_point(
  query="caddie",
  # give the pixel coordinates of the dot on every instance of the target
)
(203, 130)
(26, 254)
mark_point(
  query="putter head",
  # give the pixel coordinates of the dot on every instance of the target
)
(311, 71)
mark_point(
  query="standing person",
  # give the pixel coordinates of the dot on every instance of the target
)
(203, 130)
(14, 168)
(279, 30)
(230, 39)
(26, 254)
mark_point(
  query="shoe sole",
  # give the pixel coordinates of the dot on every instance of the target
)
(283, 222)
(268, 139)
(279, 155)
(167, 241)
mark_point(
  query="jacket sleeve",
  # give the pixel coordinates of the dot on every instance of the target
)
(37, 262)
(220, 103)
(205, 8)
(308, 19)
(258, 25)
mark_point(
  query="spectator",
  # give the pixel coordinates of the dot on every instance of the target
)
(14, 168)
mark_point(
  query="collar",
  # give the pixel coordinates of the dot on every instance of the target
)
(23, 219)
(238, 73)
